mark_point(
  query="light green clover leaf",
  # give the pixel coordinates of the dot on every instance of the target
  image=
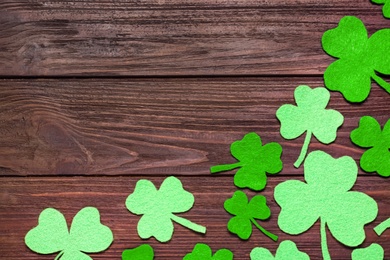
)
(386, 7)
(326, 196)
(311, 116)
(369, 135)
(158, 206)
(372, 252)
(86, 235)
(203, 252)
(359, 59)
(142, 252)
(255, 160)
(246, 214)
(287, 250)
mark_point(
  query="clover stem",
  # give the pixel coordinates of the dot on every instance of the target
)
(267, 233)
(59, 255)
(382, 227)
(324, 245)
(188, 224)
(224, 167)
(381, 82)
(305, 146)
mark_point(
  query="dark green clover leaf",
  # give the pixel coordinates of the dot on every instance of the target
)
(360, 59)
(386, 7)
(287, 250)
(246, 214)
(311, 116)
(255, 160)
(203, 252)
(326, 196)
(142, 252)
(369, 135)
(158, 208)
(86, 235)
(373, 252)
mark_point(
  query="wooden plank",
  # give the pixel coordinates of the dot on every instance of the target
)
(144, 38)
(22, 199)
(154, 126)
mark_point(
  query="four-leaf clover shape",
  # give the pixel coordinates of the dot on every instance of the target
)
(255, 160)
(203, 252)
(287, 250)
(158, 208)
(369, 135)
(310, 116)
(359, 59)
(246, 214)
(86, 235)
(326, 196)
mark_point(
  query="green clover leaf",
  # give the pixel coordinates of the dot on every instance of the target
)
(370, 135)
(255, 160)
(158, 206)
(326, 196)
(309, 116)
(203, 251)
(246, 213)
(372, 252)
(359, 59)
(142, 252)
(287, 250)
(386, 7)
(86, 235)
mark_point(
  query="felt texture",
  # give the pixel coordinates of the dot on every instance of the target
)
(359, 59)
(369, 135)
(246, 214)
(310, 116)
(203, 252)
(254, 161)
(86, 235)
(287, 250)
(158, 206)
(372, 252)
(142, 252)
(386, 7)
(326, 196)
(379, 229)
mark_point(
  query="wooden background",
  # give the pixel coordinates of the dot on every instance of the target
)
(95, 95)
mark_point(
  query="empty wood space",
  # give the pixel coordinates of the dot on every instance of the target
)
(96, 95)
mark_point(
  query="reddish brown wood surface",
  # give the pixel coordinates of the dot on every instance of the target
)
(124, 90)
(149, 126)
(208, 37)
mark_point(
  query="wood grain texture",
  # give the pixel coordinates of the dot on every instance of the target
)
(144, 38)
(154, 126)
(22, 200)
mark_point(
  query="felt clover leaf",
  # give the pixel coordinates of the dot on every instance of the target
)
(386, 7)
(309, 116)
(203, 252)
(246, 214)
(359, 59)
(158, 206)
(287, 250)
(86, 235)
(373, 252)
(382, 227)
(369, 135)
(326, 196)
(255, 160)
(143, 252)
